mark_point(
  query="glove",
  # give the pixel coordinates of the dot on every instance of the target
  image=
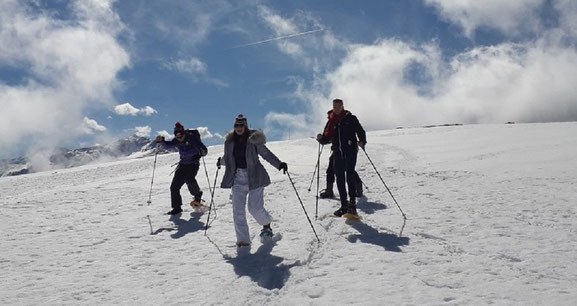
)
(218, 163)
(362, 145)
(203, 152)
(159, 138)
(284, 167)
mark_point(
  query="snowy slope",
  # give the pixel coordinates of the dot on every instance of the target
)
(491, 219)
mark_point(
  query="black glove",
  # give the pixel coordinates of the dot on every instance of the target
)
(284, 167)
(203, 152)
(159, 138)
(218, 163)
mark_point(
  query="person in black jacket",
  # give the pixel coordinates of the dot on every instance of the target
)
(342, 130)
(190, 149)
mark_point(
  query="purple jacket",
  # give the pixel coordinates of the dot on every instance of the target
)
(190, 149)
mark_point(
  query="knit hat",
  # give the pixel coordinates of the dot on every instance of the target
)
(240, 119)
(178, 128)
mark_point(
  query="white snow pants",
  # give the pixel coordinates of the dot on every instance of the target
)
(255, 205)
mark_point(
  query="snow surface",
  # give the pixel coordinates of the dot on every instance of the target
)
(491, 220)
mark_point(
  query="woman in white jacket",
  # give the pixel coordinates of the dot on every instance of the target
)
(247, 177)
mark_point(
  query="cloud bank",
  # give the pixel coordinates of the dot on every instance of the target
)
(70, 66)
(393, 83)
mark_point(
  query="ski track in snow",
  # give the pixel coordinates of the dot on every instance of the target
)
(491, 219)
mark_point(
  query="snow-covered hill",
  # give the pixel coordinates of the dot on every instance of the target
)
(64, 158)
(491, 220)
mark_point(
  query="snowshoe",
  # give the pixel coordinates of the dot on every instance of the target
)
(352, 213)
(199, 206)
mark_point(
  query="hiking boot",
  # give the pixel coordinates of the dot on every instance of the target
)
(174, 211)
(340, 212)
(266, 232)
(352, 210)
(198, 197)
(326, 194)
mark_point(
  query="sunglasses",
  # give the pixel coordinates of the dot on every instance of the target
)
(178, 135)
(239, 125)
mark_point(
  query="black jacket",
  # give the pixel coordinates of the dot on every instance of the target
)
(344, 136)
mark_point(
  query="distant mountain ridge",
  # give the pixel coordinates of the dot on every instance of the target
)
(66, 158)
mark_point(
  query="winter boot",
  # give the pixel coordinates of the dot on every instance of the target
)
(266, 231)
(352, 210)
(175, 211)
(242, 244)
(340, 212)
(327, 194)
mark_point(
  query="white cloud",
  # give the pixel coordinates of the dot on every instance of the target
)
(567, 16)
(510, 17)
(286, 125)
(205, 133)
(165, 134)
(89, 126)
(127, 109)
(69, 65)
(531, 82)
(193, 66)
(312, 39)
(281, 26)
(148, 111)
(195, 69)
(142, 131)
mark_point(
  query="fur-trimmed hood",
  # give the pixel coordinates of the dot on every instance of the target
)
(256, 137)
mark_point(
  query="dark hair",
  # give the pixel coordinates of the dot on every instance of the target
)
(338, 101)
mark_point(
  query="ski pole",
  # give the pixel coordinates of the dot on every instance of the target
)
(318, 178)
(152, 180)
(206, 172)
(302, 205)
(316, 166)
(211, 201)
(404, 216)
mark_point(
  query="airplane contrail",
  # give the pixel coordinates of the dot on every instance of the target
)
(277, 38)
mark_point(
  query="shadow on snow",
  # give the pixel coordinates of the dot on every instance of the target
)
(367, 234)
(369, 208)
(182, 226)
(262, 267)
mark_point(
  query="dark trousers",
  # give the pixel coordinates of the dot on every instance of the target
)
(331, 177)
(330, 173)
(184, 174)
(344, 167)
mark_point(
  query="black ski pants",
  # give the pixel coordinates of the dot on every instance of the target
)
(344, 166)
(331, 177)
(184, 174)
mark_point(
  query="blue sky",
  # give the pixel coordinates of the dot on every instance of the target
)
(76, 73)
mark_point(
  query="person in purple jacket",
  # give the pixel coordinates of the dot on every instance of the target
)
(191, 149)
